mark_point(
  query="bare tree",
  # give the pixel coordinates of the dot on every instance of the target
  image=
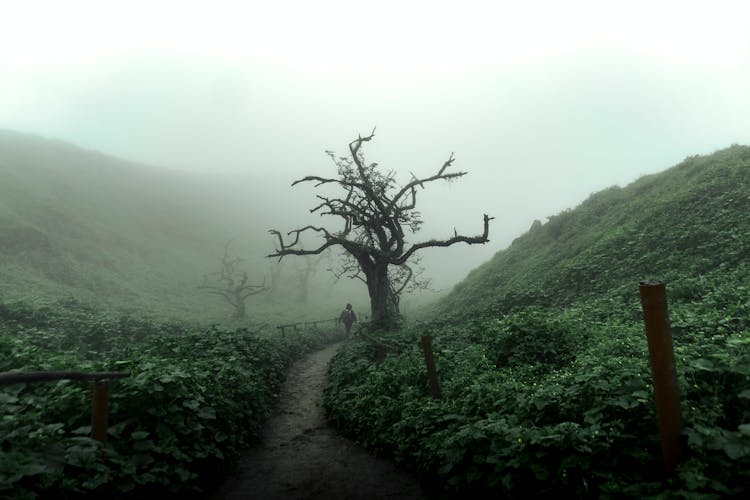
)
(307, 272)
(404, 279)
(407, 277)
(275, 277)
(232, 285)
(376, 215)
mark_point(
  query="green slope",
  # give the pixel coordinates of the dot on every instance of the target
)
(120, 235)
(690, 220)
(543, 362)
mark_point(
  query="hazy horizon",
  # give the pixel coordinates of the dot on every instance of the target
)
(543, 104)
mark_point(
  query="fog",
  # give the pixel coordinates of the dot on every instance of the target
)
(542, 104)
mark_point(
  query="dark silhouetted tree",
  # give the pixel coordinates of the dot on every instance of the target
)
(377, 216)
(402, 279)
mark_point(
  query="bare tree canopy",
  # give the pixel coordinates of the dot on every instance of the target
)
(232, 285)
(306, 273)
(376, 213)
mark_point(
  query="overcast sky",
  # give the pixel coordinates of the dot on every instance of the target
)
(543, 103)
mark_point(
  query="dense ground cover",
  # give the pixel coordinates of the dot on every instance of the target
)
(542, 356)
(684, 222)
(550, 402)
(195, 399)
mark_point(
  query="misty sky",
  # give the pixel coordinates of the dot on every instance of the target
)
(543, 103)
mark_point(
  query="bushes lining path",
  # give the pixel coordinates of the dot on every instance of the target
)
(301, 456)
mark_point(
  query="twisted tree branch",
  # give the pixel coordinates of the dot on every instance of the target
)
(471, 240)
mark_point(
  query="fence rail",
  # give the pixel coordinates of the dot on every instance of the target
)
(24, 377)
(294, 326)
(100, 399)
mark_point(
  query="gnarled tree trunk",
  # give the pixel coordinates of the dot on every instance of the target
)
(378, 286)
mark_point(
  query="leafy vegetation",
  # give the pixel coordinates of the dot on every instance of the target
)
(684, 222)
(195, 399)
(542, 356)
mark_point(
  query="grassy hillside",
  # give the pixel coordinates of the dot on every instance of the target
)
(542, 358)
(77, 223)
(688, 221)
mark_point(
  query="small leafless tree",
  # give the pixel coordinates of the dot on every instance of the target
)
(377, 214)
(232, 285)
(275, 277)
(306, 273)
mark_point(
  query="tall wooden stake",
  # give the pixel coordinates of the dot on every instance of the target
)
(661, 357)
(99, 411)
(430, 362)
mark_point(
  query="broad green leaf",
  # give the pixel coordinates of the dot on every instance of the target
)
(207, 412)
(703, 364)
(737, 450)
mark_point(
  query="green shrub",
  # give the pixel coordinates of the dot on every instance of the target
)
(194, 400)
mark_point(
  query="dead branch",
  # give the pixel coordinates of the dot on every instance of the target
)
(23, 377)
(471, 240)
(421, 182)
(374, 211)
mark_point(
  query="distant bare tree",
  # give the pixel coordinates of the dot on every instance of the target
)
(376, 215)
(276, 268)
(307, 272)
(232, 285)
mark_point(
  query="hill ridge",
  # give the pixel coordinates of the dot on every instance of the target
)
(79, 223)
(689, 218)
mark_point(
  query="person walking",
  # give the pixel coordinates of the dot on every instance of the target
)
(348, 318)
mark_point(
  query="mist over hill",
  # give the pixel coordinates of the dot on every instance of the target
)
(689, 221)
(78, 223)
(540, 351)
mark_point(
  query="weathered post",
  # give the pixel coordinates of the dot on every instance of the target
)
(430, 362)
(99, 410)
(380, 353)
(663, 371)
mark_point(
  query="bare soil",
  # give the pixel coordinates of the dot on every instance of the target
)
(301, 456)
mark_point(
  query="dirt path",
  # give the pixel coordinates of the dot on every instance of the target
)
(301, 457)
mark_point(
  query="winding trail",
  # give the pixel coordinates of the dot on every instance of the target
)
(301, 456)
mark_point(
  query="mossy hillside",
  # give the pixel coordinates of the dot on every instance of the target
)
(689, 220)
(542, 356)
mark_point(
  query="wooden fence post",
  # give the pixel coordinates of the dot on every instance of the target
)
(430, 362)
(663, 371)
(100, 398)
(99, 410)
(380, 353)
